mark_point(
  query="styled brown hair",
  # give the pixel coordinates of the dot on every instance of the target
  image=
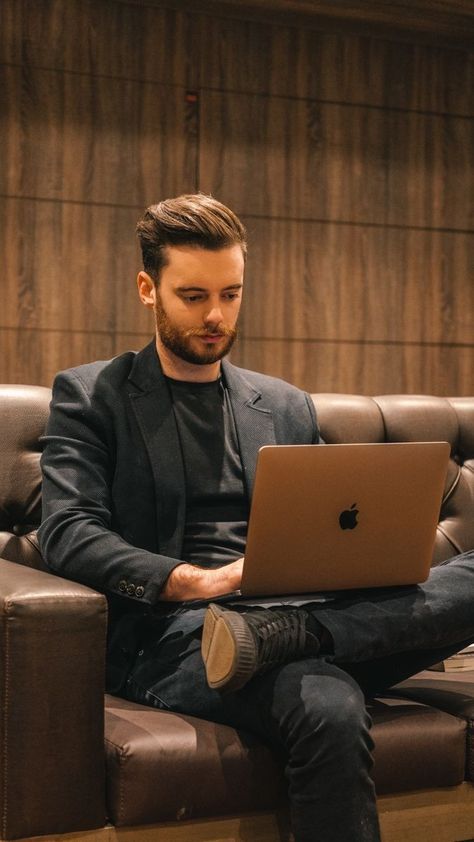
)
(190, 220)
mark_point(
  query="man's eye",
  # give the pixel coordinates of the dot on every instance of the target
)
(231, 296)
(192, 298)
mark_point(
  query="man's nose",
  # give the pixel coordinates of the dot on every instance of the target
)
(213, 316)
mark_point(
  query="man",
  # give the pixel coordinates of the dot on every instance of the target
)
(148, 469)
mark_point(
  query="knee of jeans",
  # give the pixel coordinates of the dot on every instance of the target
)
(325, 706)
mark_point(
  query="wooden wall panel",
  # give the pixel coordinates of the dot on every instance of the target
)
(62, 265)
(277, 60)
(350, 158)
(294, 158)
(10, 29)
(134, 341)
(97, 38)
(350, 283)
(66, 138)
(362, 368)
(35, 356)
(435, 21)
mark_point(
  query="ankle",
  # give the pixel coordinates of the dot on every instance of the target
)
(320, 632)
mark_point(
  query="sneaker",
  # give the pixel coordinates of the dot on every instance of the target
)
(236, 646)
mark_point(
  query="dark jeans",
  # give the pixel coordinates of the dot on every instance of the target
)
(314, 709)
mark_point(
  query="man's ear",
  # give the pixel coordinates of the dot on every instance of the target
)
(146, 289)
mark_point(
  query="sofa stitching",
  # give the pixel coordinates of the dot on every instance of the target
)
(5, 757)
(122, 759)
(450, 541)
(30, 538)
(470, 749)
(453, 486)
(382, 416)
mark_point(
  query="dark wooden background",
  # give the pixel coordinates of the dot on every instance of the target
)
(348, 155)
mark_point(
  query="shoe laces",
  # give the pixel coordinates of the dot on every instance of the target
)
(280, 635)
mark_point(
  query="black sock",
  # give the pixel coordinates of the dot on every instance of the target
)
(314, 627)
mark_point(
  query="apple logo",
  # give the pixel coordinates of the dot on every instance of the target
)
(348, 518)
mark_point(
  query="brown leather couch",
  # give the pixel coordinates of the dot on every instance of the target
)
(69, 765)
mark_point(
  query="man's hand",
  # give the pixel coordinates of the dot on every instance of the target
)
(189, 582)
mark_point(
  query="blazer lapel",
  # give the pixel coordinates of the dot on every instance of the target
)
(253, 420)
(153, 409)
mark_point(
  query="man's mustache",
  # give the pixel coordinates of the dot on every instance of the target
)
(222, 330)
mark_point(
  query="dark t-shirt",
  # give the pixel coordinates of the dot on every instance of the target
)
(217, 507)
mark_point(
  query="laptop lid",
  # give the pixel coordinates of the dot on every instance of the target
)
(332, 517)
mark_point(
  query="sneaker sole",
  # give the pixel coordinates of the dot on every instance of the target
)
(228, 649)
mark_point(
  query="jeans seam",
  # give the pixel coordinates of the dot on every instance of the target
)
(149, 693)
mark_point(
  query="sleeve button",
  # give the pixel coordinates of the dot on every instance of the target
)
(131, 590)
(139, 590)
(122, 585)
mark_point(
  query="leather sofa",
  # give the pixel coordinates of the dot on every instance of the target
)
(72, 766)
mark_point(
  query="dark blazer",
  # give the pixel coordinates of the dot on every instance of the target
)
(113, 479)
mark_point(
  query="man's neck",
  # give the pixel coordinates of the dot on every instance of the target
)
(179, 369)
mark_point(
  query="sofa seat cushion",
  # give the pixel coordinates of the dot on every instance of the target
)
(452, 692)
(163, 766)
(416, 746)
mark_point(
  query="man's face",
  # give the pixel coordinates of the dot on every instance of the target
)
(197, 302)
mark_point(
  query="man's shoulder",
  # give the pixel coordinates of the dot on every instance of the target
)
(292, 409)
(266, 383)
(113, 371)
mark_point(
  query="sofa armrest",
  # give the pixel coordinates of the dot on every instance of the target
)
(52, 649)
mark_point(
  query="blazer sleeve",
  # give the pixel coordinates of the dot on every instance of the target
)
(76, 535)
(316, 434)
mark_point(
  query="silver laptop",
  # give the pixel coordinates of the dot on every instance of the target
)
(333, 517)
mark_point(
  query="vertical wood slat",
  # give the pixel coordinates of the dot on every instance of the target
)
(354, 164)
(71, 137)
(362, 368)
(34, 356)
(97, 38)
(341, 282)
(278, 60)
(68, 265)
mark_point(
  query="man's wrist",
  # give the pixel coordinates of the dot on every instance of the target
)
(188, 581)
(181, 583)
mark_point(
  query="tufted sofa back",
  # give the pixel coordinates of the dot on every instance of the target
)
(395, 418)
(23, 415)
(343, 418)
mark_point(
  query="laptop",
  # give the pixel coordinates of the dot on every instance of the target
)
(343, 516)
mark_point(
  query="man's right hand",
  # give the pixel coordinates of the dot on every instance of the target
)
(189, 582)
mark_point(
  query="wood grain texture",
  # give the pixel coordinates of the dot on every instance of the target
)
(107, 140)
(343, 282)
(188, 48)
(98, 38)
(10, 29)
(35, 356)
(95, 125)
(132, 341)
(316, 161)
(437, 21)
(253, 57)
(69, 265)
(362, 368)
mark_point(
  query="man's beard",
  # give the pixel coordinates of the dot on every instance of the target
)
(179, 341)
